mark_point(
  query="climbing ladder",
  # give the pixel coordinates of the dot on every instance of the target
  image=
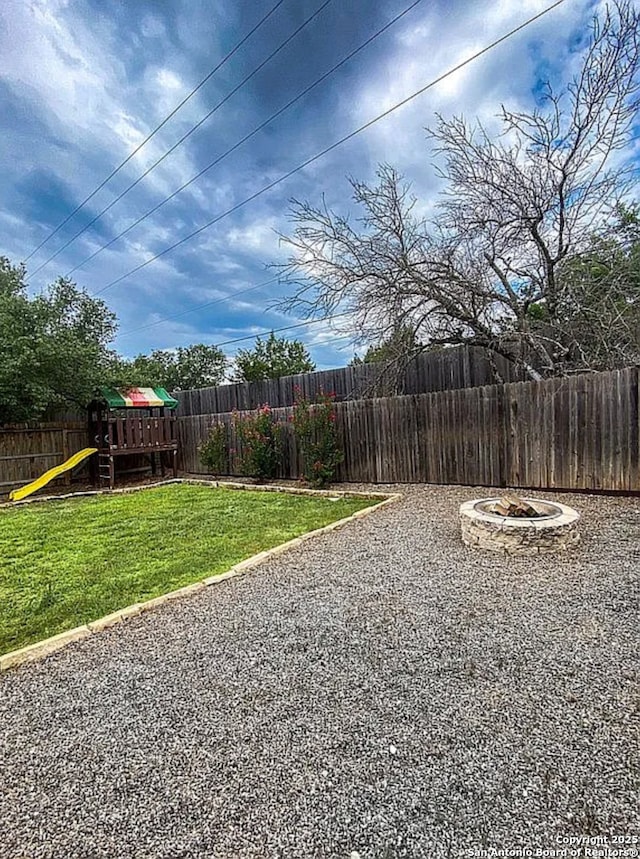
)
(106, 469)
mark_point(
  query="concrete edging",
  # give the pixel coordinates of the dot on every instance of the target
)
(40, 649)
(257, 487)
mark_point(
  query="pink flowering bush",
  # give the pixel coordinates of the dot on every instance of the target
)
(214, 453)
(260, 437)
(315, 427)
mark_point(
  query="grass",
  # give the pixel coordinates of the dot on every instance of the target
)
(65, 563)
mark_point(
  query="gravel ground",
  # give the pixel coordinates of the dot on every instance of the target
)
(382, 691)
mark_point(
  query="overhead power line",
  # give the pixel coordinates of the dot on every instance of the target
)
(278, 330)
(350, 337)
(226, 298)
(187, 134)
(169, 116)
(331, 147)
(244, 139)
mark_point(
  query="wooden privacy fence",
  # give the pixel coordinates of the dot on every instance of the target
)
(26, 452)
(460, 367)
(577, 433)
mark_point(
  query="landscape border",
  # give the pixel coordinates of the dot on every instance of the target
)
(41, 649)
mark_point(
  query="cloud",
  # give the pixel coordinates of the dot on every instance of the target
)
(82, 84)
(423, 52)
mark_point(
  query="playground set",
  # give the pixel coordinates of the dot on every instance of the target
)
(121, 422)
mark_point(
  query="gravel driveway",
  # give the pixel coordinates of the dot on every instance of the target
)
(382, 691)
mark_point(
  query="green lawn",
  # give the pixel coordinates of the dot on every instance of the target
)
(64, 563)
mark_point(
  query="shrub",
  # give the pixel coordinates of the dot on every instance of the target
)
(315, 427)
(260, 437)
(214, 452)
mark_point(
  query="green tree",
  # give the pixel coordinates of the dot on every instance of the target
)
(53, 347)
(271, 359)
(596, 322)
(399, 346)
(196, 366)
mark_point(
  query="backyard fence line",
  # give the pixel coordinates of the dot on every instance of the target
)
(27, 451)
(577, 433)
(460, 367)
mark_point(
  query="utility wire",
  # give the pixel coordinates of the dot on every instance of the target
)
(175, 110)
(226, 298)
(250, 289)
(350, 337)
(244, 139)
(331, 147)
(277, 330)
(188, 134)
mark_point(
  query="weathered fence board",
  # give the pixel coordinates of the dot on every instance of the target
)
(577, 433)
(462, 367)
(26, 452)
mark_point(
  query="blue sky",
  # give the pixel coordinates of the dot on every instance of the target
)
(82, 82)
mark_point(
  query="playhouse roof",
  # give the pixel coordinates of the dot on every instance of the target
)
(137, 398)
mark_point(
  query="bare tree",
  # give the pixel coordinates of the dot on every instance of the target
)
(489, 269)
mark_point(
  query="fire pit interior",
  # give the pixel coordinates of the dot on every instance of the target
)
(512, 505)
(519, 526)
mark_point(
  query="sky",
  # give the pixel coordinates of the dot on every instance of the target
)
(83, 82)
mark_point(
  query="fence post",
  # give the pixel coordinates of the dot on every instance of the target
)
(65, 455)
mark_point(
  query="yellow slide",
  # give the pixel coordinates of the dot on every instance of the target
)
(76, 459)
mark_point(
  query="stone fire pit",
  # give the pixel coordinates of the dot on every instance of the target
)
(546, 527)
